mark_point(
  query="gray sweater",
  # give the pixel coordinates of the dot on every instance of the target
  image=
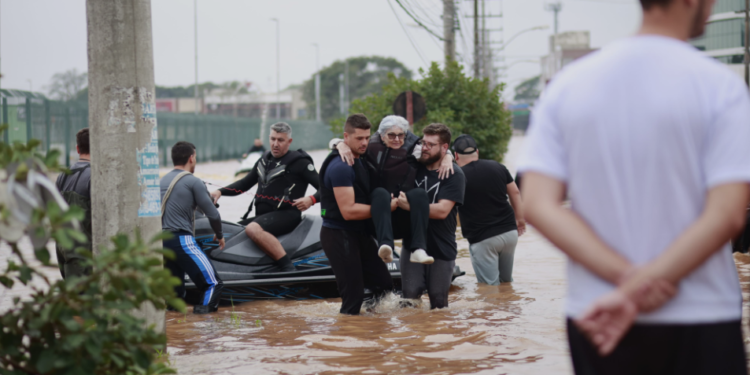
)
(189, 193)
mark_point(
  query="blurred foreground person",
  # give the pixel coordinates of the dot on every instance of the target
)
(76, 190)
(648, 138)
(345, 235)
(181, 194)
(490, 223)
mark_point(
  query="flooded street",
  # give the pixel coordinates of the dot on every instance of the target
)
(515, 328)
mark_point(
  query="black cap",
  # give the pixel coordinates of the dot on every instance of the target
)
(464, 145)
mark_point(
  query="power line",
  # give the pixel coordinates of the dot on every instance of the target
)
(417, 21)
(407, 34)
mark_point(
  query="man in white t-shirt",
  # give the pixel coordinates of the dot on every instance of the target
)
(649, 139)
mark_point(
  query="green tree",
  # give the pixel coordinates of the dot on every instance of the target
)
(67, 85)
(466, 105)
(81, 325)
(367, 75)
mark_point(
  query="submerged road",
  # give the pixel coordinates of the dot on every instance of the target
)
(515, 328)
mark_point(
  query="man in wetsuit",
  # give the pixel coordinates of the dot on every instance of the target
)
(345, 236)
(181, 194)
(282, 177)
(76, 190)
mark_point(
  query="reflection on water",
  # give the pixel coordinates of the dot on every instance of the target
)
(511, 328)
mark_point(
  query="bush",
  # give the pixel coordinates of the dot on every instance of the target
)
(466, 105)
(82, 325)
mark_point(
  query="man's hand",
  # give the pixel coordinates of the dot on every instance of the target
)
(221, 242)
(608, 320)
(403, 202)
(521, 224)
(394, 203)
(346, 153)
(215, 195)
(445, 169)
(303, 203)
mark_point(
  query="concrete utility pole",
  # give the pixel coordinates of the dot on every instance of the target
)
(747, 44)
(484, 51)
(122, 118)
(346, 86)
(449, 30)
(342, 107)
(477, 59)
(278, 70)
(195, 10)
(317, 82)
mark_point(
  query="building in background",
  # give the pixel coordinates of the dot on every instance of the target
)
(178, 105)
(564, 48)
(252, 104)
(724, 38)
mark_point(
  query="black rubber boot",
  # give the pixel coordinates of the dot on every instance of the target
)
(203, 309)
(285, 264)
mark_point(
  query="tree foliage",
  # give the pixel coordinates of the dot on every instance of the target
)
(367, 75)
(81, 325)
(466, 105)
(67, 85)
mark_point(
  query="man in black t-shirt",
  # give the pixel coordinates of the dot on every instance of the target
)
(444, 197)
(488, 221)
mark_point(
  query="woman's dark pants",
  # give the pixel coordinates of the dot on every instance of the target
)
(410, 226)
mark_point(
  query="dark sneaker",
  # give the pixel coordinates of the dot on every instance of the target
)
(203, 309)
(287, 268)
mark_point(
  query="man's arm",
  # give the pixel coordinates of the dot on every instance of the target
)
(349, 209)
(307, 170)
(238, 187)
(568, 231)
(515, 201)
(441, 209)
(204, 202)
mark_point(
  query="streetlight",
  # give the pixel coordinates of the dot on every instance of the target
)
(195, 92)
(317, 82)
(278, 71)
(543, 27)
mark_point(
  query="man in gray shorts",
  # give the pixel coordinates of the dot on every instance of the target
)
(490, 223)
(181, 194)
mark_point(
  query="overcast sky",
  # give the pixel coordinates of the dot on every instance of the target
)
(237, 39)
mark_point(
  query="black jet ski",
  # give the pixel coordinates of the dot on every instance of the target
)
(249, 274)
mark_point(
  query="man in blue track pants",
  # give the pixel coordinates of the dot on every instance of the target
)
(181, 194)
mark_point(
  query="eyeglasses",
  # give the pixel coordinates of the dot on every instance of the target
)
(394, 136)
(429, 145)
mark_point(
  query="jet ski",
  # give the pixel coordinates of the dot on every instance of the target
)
(249, 274)
(247, 164)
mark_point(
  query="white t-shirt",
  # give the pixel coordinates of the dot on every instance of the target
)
(639, 132)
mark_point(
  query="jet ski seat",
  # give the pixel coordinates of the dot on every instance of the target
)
(240, 249)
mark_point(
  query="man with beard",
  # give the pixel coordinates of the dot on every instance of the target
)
(181, 194)
(648, 138)
(345, 235)
(444, 197)
(282, 176)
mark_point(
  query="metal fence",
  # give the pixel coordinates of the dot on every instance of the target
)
(215, 137)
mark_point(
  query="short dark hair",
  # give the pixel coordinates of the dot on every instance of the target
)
(181, 152)
(440, 130)
(357, 121)
(82, 141)
(648, 4)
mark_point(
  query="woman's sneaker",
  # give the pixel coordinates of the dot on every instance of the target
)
(420, 256)
(386, 253)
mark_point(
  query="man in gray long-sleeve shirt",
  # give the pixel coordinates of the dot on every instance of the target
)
(178, 211)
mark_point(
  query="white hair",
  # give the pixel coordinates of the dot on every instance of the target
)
(390, 121)
(282, 127)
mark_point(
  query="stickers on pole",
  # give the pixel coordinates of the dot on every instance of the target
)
(148, 158)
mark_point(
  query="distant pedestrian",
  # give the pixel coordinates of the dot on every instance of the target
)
(181, 194)
(489, 221)
(256, 147)
(76, 190)
(648, 138)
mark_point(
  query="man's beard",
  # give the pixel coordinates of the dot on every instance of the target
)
(432, 159)
(699, 22)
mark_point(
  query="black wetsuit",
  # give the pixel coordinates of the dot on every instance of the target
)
(274, 211)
